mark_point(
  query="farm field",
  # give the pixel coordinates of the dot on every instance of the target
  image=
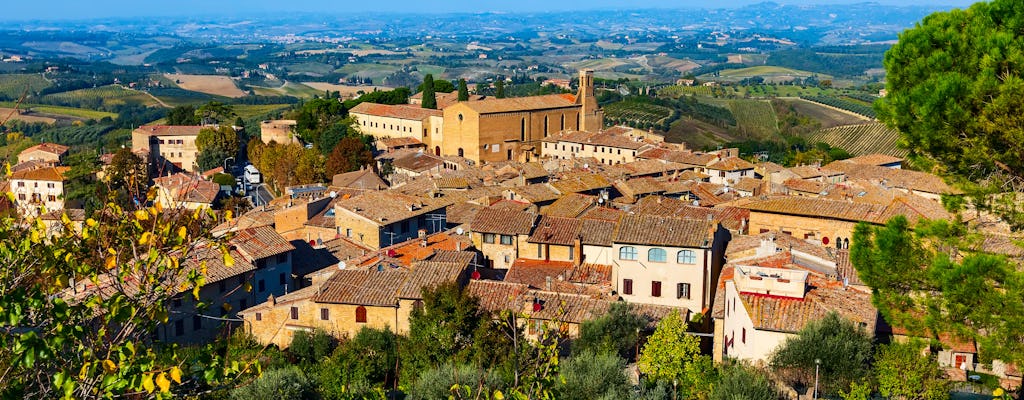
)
(13, 85)
(211, 84)
(636, 114)
(769, 73)
(827, 116)
(844, 103)
(345, 90)
(106, 95)
(288, 89)
(754, 118)
(696, 134)
(873, 137)
(252, 111)
(376, 72)
(13, 114)
(69, 112)
(679, 91)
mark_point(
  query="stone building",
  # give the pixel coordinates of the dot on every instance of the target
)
(281, 131)
(164, 144)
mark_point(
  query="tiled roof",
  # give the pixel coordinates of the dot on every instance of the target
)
(52, 148)
(260, 242)
(385, 208)
(601, 138)
(903, 178)
(74, 214)
(497, 295)
(169, 130)
(813, 207)
(800, 185)
(569, 206)
(453, 256)
(390, 142)
(363, 287)
(731, 164)
(593, 274)
(187, 188)
(400, 111)
(406, 253)
(875, 159)
(652, 167)
(679, 156)
(362, 179)
(1006, 245)
(580, 182)
(556, 230)
(598, 232)
(216, 270)
(427, 274)
(783, 314)
(538, 274)
(718, 306)
(731, 217)
(505, 222)
(661, 231)
(747, 184)
(604, 213)
(416, 161)
(639, 186)
(845, 267)
(451, 183)
(462, 212)
(536, 193)
(48, 174)
(490, 106)
(813, 171)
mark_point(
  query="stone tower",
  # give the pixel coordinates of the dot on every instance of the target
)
(591, 117)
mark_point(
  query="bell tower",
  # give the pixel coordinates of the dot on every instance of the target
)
(591, 117)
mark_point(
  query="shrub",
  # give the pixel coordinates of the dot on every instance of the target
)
(593, 376)
(313, 346)
(278, 384)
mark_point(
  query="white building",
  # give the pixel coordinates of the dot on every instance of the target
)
(39, 188)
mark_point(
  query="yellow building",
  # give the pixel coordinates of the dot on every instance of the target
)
(383, 121)
(281, 131)
(171, 144)
(511, 129)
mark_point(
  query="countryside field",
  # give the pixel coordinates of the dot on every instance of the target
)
(873, 137)
(13, 115)
(769, 73)
(288, 89)
(697, 134)
(211, 84)
(109, 95)
(754, 118)
(252, 111)
(636, 113)
(13, 85)
(828, 117)
(58, 111)
(345, 90)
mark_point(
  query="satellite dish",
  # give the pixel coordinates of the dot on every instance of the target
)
(459, 230)
(341, 265)
(334, 194)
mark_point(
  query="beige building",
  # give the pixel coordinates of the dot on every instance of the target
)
(500, 233)
(383, 121)
(45, 152)
(281, 131)
(36, 189)
(379, 219)
(612, 146)
(512, 128)
(186, 191)
(174, 145)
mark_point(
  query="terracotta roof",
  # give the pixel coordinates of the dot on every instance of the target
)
(505, 222)
(842, 210)
(169, 130)
(800, 185)
(569, 206)
(814, 171)
(362, 179)
(652, 167)
(344, 249)
(747, 184)
(731, 164)
(875, 159)
(1000, 244)
(416, 161)
(784, 314)
(260, 242)
(600, 138)
(462, 212)
(216, 270)
(662, 231)
(187, 188)
(598, 232)
(52, 148)
(744, 246)
(406, 253)
(580, 182)
(536, 193)
(496, 295)
(490, 106)
(556, 230)
(363, 287)
(211, 172)
(385, 208)
(679, 156)
(846, 269)
(731, 217)
(49, 174)
(390, 142)
(604, 214)
(427, 274)
(891, 177)
(538, 274)
(451, 183)
(636, 187)
(74, 214)
(400, 111)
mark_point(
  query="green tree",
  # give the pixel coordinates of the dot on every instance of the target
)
(126, 179)
(312, 347)
(183, 115)
(288, 383)
(360, 366)
(442, 330)
(593, 376)
(440, 86)
(955, 93)
(80, 186)
(739, 381)
(671, 355)
(463, 90)
(904, 373)
(499, 89)
(215, 112)
(348, 155)
(615, 332)
(215, 145)
(429, 97)
(843, 348)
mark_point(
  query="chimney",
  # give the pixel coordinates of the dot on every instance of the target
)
(547, 283)
(577, 247)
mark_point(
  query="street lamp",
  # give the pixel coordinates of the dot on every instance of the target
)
(817, 365)
(226, 163)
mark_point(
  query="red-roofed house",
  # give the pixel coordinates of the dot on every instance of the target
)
(174, 144)
(384, 121)
(48, 152)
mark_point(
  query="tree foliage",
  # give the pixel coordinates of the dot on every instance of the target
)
(288, 383)
(843, 348)
(593, 376)
(429, 96)
(932, 280)
(904, 373)
(443, 328)
(215, 145)
(285, 165)
(670, 355)
(361, 366)
(740, 381)
(615, 332)
(463, 90)
(183, 115)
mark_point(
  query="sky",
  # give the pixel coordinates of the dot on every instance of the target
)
(85, 9)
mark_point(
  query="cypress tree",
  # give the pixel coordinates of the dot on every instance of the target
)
(429, 98)
(463, 90)
(499, 89)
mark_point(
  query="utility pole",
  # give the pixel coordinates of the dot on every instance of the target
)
(817, 365)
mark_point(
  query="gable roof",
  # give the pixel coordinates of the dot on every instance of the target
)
(490, 106)
(385, 208)
(49, 174)
(661, 231)
(260, 242)
(169, 130)
(363, 179)
(557, 231)
(875, 159)
(503, 221)
(362, 287)
(846, 210)
(187, 188)
(52, 148)
(570, 206)
(399, 111)
(731, 164)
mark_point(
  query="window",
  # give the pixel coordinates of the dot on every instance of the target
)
(49, 185)
(21, 184)
(282, 258)
(743, 338)
(686, 257)
(627, 253)
(197, 322)
(262, 286)
(259, 316)
(488, 238)
(295, 313)
(325, 314)
(627, 286)
(506, 239)
(572, 250)
(179, 327)
(683, 291)
(656, 255)
(655, 289)
(21, 196)
(51, 198)
(361, 314)
(540, 251)
(348, 232)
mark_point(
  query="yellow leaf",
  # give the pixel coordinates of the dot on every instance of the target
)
(91, 222)
(182, 232)
(35, 236)
(226, 307)
(109, 366)
(145, 238)
(111, 262)
(85, 233)
(84, 372)
(64, 218)
(7, 169)
(10, 196)
(498, 395)
(111, 251)
(141, 215)
(227, 215)
(147, 383)
(159, 206)
(176, 375)
(228, 260)
(247, 286)
(163, 383)
(153, 210)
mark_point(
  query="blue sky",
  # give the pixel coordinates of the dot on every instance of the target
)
(84, 9)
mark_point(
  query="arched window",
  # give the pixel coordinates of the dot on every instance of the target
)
(522, 130)
(437, 151)
(686, 257)
(656, 255)
(627, 253)
(461, 153)
(361, 314)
